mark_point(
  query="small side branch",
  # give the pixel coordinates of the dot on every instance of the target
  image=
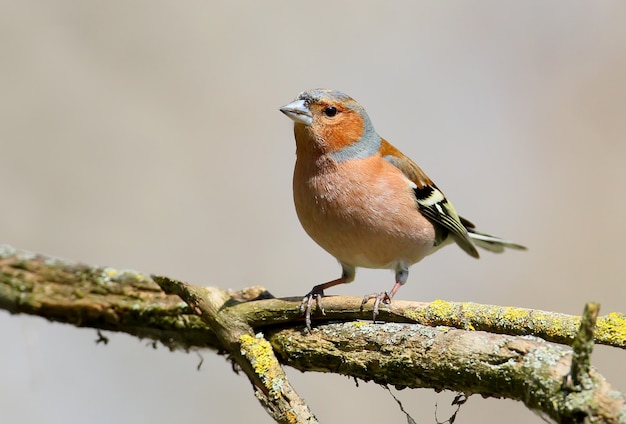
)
(252, 353)
(578, 376)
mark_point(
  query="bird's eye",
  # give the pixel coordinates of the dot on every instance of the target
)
(330, 111)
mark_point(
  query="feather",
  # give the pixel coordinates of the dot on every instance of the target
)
(492, 243)
(431, 202)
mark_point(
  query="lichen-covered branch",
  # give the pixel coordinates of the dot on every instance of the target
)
(404, 354)
(551, 326)
(411, 355)
(252, 352)
(131, 302)
(582, 348)
(97, 297)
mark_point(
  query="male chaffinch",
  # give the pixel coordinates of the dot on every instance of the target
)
(365, 202)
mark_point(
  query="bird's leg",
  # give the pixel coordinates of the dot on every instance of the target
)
(378, 297)
(402, 273)
(317, 293)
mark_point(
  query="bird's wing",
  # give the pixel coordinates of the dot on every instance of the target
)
(431, 202)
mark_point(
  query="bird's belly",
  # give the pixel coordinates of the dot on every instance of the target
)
(364, 228)
(371, 249)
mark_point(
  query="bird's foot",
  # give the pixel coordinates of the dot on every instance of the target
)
(306, 306)
(378, 298)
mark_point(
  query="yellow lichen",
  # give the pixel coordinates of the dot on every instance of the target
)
(612, 329)
(414, 314)
(442, 309)
(514, 315)
(260, 354)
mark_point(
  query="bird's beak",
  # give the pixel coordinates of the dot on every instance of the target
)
(298, 111)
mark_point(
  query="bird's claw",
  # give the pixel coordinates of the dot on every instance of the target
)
(378, 298)
(306, 306)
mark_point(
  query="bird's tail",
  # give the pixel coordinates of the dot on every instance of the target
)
(492, 243)
(487, 241)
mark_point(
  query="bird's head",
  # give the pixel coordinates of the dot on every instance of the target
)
(333, 121)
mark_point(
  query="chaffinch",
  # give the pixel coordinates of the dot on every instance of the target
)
(365, 202)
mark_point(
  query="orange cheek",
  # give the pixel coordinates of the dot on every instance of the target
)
(347, 129)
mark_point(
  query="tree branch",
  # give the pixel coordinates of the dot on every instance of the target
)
(415, 356)
(251, 352)
(131, 302)
(401, 354)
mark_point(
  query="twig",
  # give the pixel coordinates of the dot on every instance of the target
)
(578, 377)
(251, 352)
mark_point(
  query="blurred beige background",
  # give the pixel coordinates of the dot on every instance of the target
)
(147, 135)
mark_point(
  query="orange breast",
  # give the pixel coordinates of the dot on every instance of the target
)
(362, 212)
